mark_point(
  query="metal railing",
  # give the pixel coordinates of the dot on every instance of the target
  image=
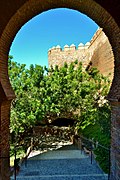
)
(14, 170)
(92, 146)
(17, 160)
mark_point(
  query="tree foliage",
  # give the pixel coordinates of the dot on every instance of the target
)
(44, 94)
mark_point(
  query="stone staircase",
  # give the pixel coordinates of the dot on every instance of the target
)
(67, 163)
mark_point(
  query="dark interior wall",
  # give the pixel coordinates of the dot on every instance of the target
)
(7, 10)
(9, 7)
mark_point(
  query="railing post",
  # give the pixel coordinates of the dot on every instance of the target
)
(25, 161)
(109, 166)
(15, 165)
(80, 139)
(91, 157)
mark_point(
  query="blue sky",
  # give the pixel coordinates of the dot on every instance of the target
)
(48, 29)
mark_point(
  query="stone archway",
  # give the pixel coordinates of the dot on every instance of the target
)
(23, 14)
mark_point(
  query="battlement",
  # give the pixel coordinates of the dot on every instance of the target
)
(98, 51)
(72, 48)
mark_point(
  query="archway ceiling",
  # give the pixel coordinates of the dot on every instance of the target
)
(9, 7)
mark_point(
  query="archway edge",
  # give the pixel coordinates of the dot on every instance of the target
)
(34, 7)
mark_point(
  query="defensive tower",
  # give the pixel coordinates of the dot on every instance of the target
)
(98, 51)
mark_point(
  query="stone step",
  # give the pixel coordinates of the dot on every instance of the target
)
(57, 154)
(64, 177)
(64, 166)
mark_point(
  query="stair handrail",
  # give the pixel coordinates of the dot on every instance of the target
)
(93, 142)
(98, 144)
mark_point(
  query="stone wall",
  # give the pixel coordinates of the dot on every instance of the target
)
(49, 137)
(57, 56)
(98, 51)
(101, 54)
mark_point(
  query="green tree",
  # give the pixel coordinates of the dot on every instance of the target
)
(27, 107)
(45, 94)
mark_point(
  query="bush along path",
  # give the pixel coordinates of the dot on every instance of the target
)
(65, 163)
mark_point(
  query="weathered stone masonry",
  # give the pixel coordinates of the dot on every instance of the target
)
(98, 51)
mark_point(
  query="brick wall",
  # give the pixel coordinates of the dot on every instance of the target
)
(14, 14)
(115, 141)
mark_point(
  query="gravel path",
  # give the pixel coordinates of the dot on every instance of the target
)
(66, 163)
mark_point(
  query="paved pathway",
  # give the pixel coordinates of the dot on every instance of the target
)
(66, 163)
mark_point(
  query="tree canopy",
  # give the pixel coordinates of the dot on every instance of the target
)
(44, 94)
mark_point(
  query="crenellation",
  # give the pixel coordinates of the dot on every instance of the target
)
(87, 45)
(72, 47)
(58, 48)
(81, 46)
(66, 48)
(98, 51)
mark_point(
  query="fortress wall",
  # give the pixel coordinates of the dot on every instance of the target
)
(101, 54)
(98, 51)
(57, 56)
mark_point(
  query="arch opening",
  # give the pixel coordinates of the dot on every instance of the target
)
(103, 19)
